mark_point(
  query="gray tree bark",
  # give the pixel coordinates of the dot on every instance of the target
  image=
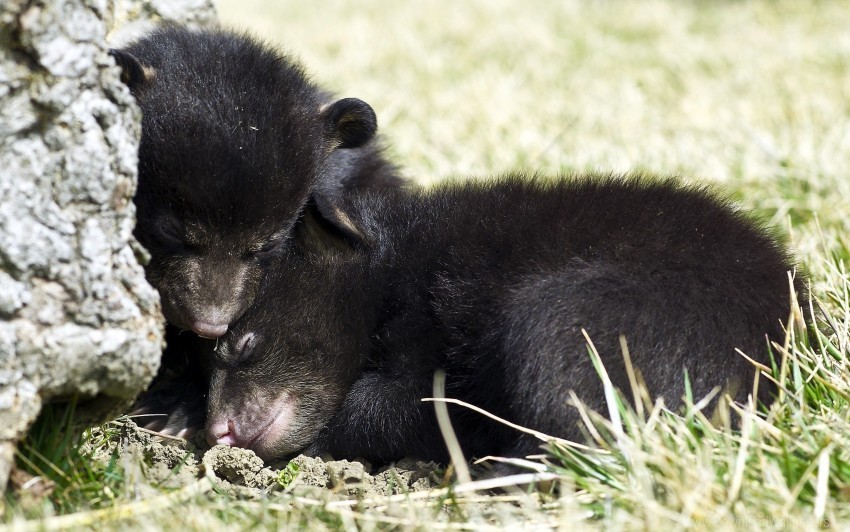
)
(77, 317)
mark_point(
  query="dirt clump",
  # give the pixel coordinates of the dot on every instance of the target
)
(353, 479)
(240, 471)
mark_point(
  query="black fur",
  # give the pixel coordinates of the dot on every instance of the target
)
(493, 282)
(235, 137)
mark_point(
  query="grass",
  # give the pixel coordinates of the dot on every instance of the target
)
(751, 95)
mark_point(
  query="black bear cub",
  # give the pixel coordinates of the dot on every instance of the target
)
(494, 282)
(235, 138)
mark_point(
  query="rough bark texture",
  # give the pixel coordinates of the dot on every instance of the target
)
(77, 317)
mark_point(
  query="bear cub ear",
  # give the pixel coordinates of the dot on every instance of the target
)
(350, 122)
(335, 217)
(133, 74)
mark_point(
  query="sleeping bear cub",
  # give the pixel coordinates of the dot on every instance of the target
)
(494, 282)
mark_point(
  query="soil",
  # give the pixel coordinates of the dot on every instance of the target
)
(174, 463)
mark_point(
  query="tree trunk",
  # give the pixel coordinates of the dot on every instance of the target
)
(77, 317)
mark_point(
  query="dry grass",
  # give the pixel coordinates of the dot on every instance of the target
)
(754, 95)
